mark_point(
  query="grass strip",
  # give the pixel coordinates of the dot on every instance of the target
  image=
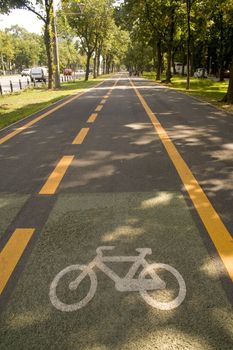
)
(205, 89)
(22, 104)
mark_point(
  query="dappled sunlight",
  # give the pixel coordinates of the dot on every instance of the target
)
(171, 113)
(192, 135)
(28, 318)
(216, 185)
(129, 156)
(123, 231)
(144, 140)
(161, 198)
(225, 153)
(102, 172)
(139, 126)
(4, 202)
(208, 267)
(162, 340)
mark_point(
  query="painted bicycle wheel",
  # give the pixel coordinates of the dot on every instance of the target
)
(151, 300)
(62, 306)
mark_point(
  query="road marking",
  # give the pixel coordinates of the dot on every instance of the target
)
(106, 96)
(56, 176)
(81, 136)
(92, 118)
(103, 102)
(129, 283)
(44, 115)
(219, 234)
(12, 252)
(98, 108)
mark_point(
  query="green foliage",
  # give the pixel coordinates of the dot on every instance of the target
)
(20, 49)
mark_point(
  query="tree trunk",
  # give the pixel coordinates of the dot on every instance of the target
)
(229, 95)
(88, 66)
(104, 65)
(55, 52)
(173, 63)
(183, 61)
(188, 6)
(49, 50)
(170, 45)
(108, 64)
(98, 61)
(159, 66)
(221, 63)
(95, 66)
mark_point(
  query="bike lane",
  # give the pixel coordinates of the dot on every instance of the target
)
(122, 191)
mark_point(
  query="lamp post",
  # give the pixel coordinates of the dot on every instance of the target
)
(55, 52)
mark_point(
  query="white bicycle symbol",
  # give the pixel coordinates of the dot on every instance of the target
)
(125, 284)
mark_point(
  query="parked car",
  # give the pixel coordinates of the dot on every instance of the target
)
(26, 72)
(39, 74)
(67, 71)
(200, 73)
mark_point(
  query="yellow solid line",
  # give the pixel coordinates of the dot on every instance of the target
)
(98, 108)
(219, 234)
(92, 118)
(81, 136)
(56, 176)
(12, 252)
(42, 116)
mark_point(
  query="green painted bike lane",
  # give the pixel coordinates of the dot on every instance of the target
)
(77, 226)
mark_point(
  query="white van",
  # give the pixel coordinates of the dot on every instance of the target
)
(39, 74)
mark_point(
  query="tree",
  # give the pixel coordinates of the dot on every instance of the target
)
(6, 50)
(91, 26)
(28, 47)
(43, 9)
(229, 19)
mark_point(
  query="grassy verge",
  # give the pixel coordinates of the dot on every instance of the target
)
(205, 89)
(19, 105)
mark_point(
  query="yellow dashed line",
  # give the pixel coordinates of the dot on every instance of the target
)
(98, 108)
(103, 102)
(12, 252)
(56, 176)
(92, 118)
(219, 234)
(81, 136)
(42, 116)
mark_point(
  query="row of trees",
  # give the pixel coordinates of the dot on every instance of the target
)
(198, 33)
(20, 49)
(144, 34)
(97, 33)
(90, 25)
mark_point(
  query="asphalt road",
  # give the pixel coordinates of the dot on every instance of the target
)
(128, 164)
